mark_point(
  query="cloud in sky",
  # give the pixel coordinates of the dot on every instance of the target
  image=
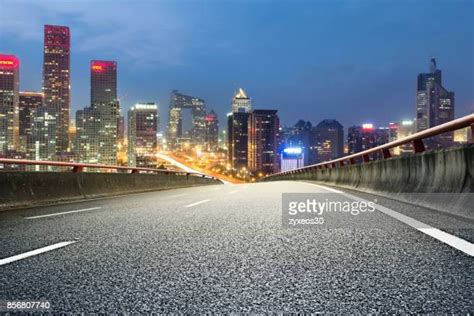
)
(148, 31)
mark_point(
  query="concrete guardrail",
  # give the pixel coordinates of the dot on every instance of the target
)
(440, 179)
(24, 189)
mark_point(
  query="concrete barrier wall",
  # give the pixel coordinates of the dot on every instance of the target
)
(23, 189)
(441, 179)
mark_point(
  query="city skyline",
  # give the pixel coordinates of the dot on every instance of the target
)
(314, 106)
(236, 156)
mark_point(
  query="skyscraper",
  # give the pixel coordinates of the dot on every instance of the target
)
(364, 137)
(237, 133)
(96, 125)
(212, 131)
(30, 102)
(328, 140)
(300, 135)
(9, 99)
(56, 80)
(103, 82)
(434, 105)
(142, 130)
(241, 103)
(87, 135)
(120, 129)
(263, 141)
(291, 158)
(178, 103)
(122, 150)
(42, 144)
(400, 130)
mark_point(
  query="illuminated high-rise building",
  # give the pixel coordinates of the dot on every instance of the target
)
(9, 103)
(42, 144)
(400, 130)
(56, 80)
(241, 103)
(328, 140)
(364, 137)
(300, 135)
(103, 82)
(30, 102)
(197, 133)
(263, 129)
(96, 126)
(120, 129)
(72, 140)
(87, 134)
(291, 158)
(434, 105)
(212, 131)
(237, 133)
(121, 144)
(142, 131)
(175, 126)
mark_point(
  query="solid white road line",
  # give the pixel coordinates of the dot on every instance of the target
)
(233, 192)
(451, 240)
(177, 195)
(62, 213)
(35, 252)
(197, 203)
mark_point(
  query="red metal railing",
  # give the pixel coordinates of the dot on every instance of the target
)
(415, 139)
(79, 167)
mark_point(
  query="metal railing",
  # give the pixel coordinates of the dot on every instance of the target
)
(416, 140)
(79, 167)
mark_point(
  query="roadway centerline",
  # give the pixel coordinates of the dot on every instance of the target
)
(451, 240)
(197, 203)
(63, 213)
(34, 252)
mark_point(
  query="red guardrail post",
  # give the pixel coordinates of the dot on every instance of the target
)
(386, 153)
(352, 161)
(366, 158)
(418, 146)
(77, 169)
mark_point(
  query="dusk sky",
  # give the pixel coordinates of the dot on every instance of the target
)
(355, 61)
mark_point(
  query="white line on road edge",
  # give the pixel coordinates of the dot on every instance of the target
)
(451, 240)
(62, 213)
(233, 192)
(197, 203)
(177, 195)
(35, 252)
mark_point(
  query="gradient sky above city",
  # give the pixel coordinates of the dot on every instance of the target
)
(355, 61)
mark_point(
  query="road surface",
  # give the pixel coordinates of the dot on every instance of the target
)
(222, 248)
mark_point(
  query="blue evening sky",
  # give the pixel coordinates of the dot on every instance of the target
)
(355, 61)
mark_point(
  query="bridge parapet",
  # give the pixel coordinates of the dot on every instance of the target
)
(24, 189)
(416, 178)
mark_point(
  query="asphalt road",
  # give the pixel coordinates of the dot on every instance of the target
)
(223, 248)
